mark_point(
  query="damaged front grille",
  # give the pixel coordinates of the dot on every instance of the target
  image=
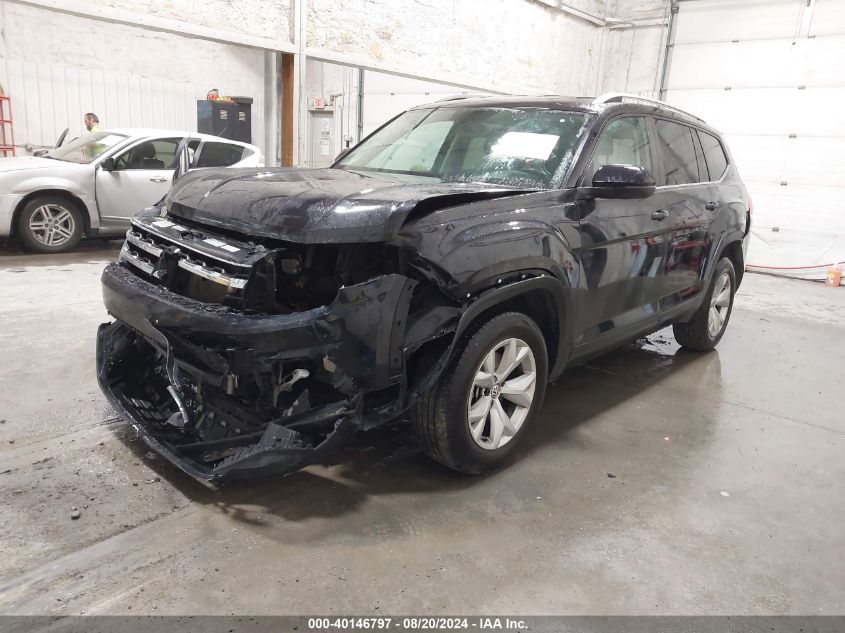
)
(264, 276)
(191, 266)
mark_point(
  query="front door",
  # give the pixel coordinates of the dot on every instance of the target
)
(623, 245)
(142, 175)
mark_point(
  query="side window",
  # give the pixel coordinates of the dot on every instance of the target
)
(219, 155)
(714, 155)
(623, 141)
(679, 163)
(157, 154)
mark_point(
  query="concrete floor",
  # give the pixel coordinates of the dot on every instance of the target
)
(726, 494)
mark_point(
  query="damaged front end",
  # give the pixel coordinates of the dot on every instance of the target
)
(231, 356)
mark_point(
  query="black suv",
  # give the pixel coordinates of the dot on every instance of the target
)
(448, 266)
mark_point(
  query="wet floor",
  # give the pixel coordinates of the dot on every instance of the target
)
(656, 481)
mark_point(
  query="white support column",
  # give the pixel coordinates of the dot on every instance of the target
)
(272, 98)
(300, 115)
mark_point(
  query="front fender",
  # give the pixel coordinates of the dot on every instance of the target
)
(476, 244)
(561, 299)
(82, 191)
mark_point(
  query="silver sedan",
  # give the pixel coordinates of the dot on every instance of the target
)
(93, 185)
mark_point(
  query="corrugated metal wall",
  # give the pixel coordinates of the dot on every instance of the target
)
(56, 66)
(47, 98)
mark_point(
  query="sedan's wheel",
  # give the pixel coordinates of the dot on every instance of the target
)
(487, 396)
(708, 324)
(50, 224)
(501, 393)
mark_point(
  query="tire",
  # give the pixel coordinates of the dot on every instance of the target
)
(441, 417)
(49, 224)
(703, 332)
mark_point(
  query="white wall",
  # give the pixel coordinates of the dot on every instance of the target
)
(58, 66)
(129, 61)
(338, 87)
(625, 56)
(518, 46)
(272, 19)
(770, 74)
(632, 60)
(634, 45)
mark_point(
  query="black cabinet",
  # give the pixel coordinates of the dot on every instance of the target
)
(232, 120)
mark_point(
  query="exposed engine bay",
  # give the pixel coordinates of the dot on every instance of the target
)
(231, 354)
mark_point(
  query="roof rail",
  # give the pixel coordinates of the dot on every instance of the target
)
(624, 97)
(466, 95)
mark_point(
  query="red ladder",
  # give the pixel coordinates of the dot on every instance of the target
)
(7, 134)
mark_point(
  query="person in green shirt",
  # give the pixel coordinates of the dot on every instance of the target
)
(92, 122)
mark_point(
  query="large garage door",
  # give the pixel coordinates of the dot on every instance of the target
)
(770, 74)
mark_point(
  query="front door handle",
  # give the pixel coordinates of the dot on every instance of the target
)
(711, 206)
(158, 179)
(662, 214)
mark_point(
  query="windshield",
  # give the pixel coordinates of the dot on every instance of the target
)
(523, 148)
(86, 149)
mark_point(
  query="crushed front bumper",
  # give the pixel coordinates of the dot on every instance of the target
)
(162, 341)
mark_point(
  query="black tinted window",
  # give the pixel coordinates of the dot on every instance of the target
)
(219, 155)
(714, 154)
(679, 164)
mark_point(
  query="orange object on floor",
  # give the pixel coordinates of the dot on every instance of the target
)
(834, 276)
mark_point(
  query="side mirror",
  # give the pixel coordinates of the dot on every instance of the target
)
(343, 153)
(622, 181)
(107, 164)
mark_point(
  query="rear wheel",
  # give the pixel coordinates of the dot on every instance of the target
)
(476, 415)
(705, 329)
(49, 224)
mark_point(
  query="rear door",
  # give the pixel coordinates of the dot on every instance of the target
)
(141, 176)
(686, 195)
(623, 244)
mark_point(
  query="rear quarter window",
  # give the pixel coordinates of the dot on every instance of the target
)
(714, 155)
(219, 155)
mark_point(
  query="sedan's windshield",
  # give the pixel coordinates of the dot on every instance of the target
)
(516, 147)
(86, 149)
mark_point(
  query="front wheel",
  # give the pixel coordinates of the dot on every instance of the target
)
(50, 224)
(708, 324)
(473, 419)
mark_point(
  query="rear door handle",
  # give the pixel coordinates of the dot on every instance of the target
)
(711, 206)
(158, 179)
(662, 214)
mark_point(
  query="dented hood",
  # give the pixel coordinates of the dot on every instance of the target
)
(316, 205)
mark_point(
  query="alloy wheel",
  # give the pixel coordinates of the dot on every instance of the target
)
(501, 393)
(52, 224)
(720, 303)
